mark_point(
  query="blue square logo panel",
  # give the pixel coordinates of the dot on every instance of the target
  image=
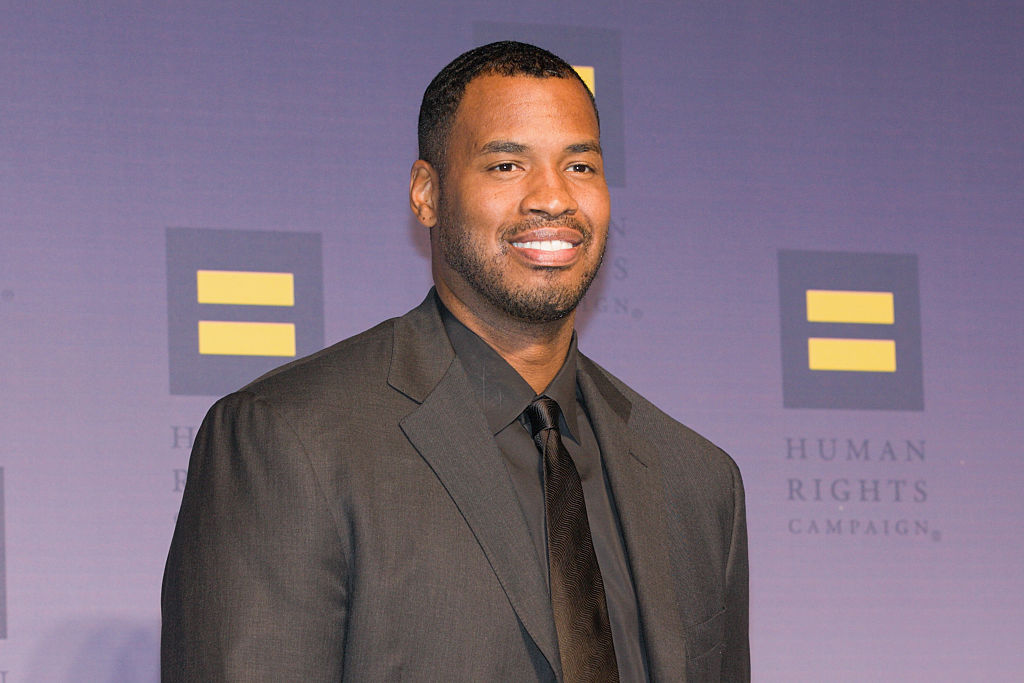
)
(851, 331)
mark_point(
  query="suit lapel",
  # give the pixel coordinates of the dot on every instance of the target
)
(451, 434)
(634, 473)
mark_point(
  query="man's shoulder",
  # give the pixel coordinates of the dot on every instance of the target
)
(356, 370)
(321, 391)
(359, 357)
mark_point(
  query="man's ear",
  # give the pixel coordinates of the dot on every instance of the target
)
(424, 185)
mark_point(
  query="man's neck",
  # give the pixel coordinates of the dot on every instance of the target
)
(535, 350)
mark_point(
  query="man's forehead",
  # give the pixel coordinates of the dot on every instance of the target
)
(496, 99)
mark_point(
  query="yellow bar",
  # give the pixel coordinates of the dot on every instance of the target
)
(245, 288)
(834, 306)
(220, 338)
(587, 74)
(853, 355)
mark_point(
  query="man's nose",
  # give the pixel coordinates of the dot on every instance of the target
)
(549, 193)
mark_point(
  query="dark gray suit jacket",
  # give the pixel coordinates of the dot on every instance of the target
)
(349, 515)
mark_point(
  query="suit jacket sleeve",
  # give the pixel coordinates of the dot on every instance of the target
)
(255, 583)
(736, 657)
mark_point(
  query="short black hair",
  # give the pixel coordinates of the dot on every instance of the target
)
(444, 94)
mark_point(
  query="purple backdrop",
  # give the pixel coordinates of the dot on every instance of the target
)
(762, 142)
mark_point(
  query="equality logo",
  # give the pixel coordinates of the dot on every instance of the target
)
(596, 54)
(851, 330)
(239, 303)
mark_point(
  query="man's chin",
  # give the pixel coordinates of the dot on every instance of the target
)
(536, 307)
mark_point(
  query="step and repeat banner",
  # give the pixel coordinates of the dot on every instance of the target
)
(815, 260)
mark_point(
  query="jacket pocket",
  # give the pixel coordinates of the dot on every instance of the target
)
(704, 646)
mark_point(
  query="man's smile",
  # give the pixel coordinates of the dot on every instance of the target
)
(549, 247)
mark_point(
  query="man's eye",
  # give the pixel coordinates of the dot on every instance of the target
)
(580, 168)
(505, 168)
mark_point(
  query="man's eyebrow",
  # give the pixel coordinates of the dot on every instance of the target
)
(510, 147)
(504, 147)
(583, 147)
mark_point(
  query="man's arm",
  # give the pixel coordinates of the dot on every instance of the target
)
(736, 658)
(255, 584)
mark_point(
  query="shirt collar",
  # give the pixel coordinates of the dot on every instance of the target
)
(501, 392)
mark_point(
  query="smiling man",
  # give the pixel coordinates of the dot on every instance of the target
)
(459, 493)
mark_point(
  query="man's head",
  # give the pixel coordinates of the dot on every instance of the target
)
(444, 94)
(511, 184)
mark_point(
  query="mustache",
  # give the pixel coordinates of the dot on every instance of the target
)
(570, 222)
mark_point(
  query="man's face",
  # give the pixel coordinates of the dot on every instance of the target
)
(523, 209)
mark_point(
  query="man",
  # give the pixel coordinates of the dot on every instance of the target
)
(458, 494)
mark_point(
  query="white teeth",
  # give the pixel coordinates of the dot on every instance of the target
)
(546, 245)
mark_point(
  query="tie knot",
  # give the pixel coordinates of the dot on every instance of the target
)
(542, 414)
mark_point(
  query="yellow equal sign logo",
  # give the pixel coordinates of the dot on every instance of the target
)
(587, 74)
(851, 355)
(245, 288)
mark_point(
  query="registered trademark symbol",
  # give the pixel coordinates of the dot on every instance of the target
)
(936, 536)
(7, 295)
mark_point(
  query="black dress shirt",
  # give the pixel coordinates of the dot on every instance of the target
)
(503, 395)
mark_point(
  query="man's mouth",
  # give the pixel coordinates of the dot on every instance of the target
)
(545, 245)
